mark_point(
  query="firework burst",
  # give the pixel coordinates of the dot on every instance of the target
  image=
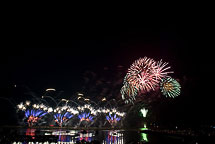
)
(113, 116)
(33, 113)
(144, 112)
(62, 115)
(87, 114)
(128, 93)
(159, 70)
(170, 87)
(141, 74)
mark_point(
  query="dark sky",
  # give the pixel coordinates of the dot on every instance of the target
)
(43, 59)
(42, 55)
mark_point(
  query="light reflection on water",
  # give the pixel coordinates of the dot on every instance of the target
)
(73, 136)
(144, 135)
(62, 136)
(106, 136)
(70, 136)
(113, 137)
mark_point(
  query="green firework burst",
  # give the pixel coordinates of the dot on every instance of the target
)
(170, 87)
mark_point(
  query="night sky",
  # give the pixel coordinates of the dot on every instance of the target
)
(40, 56)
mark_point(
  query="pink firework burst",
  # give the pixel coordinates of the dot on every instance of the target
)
(160, 70)
(145, 74)
(141, 74)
